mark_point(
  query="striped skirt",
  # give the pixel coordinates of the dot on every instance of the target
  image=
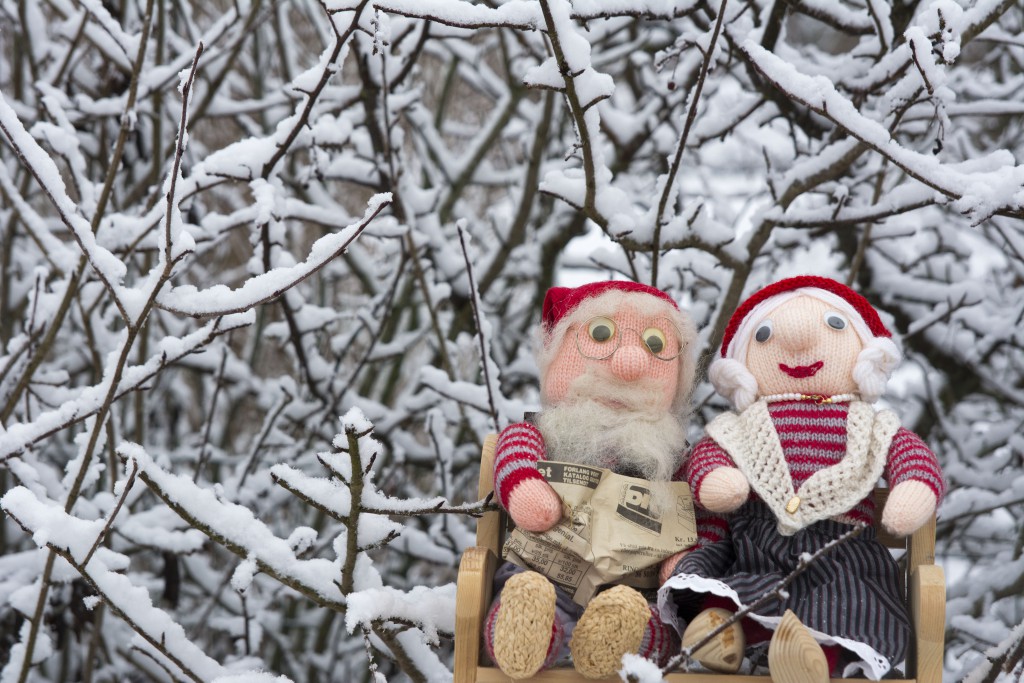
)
(852, 596)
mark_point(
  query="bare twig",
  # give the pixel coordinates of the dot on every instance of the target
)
(330, 69)
(484, 356)
(113, 515)
(578, 110)
(398, 652)
(268, 426)
(351, 522)
(204, 448)
(691, 115)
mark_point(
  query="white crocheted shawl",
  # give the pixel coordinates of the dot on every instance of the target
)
(753, 444)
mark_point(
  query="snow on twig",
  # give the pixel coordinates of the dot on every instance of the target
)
(237, 529)
(69, 537)
(90, 400)
(978, 195)
(222, 300)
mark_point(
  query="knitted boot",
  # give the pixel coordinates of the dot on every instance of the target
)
(613, 624)
(724, 652)
(522, 634)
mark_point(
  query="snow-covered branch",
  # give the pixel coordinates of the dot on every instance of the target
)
(221, 300)
(312, 179)
(235, 527)
(978, 195)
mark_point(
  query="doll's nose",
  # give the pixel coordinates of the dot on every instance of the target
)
(629, 362)
(797, 337)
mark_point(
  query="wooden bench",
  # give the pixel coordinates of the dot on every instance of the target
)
(926, 596)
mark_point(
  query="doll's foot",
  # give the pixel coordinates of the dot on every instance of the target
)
(724, 652)
(522, 627)
(794, 656)
(613, 624)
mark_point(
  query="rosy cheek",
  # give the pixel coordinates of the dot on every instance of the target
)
(670, 382)
(567, 366)
(555, 390)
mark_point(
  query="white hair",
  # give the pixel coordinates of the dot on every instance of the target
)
(871, 372)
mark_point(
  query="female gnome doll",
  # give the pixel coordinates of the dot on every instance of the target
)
(791, 470)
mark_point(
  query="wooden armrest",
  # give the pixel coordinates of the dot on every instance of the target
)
(488, 527)
(472, 599)
(928, 616)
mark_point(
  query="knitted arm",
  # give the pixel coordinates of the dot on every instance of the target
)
(910, 459)
(707, 457)
(519, 447)
(711, 528)
(716, 483)
(916, 484)
(521, 490)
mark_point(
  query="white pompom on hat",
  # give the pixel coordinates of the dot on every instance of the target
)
(875, 363)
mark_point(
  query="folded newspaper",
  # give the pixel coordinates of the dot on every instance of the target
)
(614, 529)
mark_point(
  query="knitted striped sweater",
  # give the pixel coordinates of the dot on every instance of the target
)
(813, 437)
(520, 446)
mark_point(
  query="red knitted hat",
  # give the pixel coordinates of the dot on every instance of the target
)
(560, 301)
(864, 309)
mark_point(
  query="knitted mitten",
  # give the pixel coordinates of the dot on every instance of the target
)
(910, 505)
(614, 623)
(522, 633)
(534, 506)
(724, 489)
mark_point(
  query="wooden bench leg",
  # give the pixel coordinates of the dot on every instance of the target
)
(472, 598)
(928, 616)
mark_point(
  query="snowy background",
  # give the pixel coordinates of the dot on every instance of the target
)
(270, 268)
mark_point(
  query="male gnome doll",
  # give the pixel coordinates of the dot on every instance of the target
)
(616, 368)
(793, 469)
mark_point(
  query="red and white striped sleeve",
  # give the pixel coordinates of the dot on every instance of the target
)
(519, 447)
(910, 459)
(705, 457)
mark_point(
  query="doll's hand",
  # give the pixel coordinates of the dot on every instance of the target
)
(723, 490)
(910, 505)
(669, 564)
(534, 506)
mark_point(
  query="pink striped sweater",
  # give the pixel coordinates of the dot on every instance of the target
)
(813, 436)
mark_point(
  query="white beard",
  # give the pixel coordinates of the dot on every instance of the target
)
(605, 423)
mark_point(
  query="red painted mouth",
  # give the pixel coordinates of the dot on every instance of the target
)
(802, 371)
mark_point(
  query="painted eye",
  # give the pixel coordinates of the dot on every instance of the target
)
(764, 331)
(601, 329)
(654, 340)
(835, 320)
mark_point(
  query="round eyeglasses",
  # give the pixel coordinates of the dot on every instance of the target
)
(600, 337)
